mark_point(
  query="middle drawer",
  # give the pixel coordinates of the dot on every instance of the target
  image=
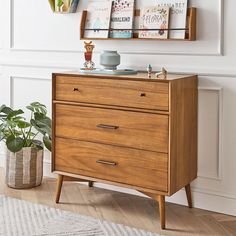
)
(115, 127)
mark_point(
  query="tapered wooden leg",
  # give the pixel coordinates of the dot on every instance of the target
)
(189, 196)
(90, 184)
(59, 185)
(161, 201)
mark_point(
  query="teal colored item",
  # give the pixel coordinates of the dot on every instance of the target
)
(109, 72)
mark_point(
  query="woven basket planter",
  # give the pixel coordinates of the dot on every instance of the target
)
(24, 169)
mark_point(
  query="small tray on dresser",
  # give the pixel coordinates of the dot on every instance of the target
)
(109, 72)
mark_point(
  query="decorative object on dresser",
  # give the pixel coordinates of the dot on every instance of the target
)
(162, 74)
(24, 160)
(88, 55)
(109, 60)
(122, 18)
(129, 131)
(154, 18)
(98, 19)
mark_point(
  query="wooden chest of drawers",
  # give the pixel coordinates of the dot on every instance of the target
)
(129, 131)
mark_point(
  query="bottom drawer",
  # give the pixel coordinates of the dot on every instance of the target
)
(123, 165)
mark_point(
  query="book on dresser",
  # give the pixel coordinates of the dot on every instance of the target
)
(122, 18)
(156, 18)
(98, 19)
(178, 16)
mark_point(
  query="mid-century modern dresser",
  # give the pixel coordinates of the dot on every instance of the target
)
(132, 131)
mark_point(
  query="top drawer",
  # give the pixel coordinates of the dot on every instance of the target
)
(136, 94)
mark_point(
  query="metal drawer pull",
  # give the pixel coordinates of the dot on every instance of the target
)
(143, 95)
(76, 90)
(102, 126)
(108, 163)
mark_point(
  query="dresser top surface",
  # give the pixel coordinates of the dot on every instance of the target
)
(139, 76)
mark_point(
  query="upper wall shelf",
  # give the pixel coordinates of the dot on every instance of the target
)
(190, 34)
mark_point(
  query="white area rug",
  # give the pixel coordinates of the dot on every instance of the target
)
(21, 218)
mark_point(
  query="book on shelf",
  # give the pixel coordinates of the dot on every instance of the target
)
(64, 5)
(98, 19)
(73, 6)
(178, 16)
(122, 18)
(154, 18)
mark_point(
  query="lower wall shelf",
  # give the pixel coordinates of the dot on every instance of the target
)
(189, 36)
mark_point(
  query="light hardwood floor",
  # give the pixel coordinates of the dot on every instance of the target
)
(126, 209)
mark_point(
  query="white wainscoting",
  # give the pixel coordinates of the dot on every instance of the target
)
(210, 132)
(36, 42)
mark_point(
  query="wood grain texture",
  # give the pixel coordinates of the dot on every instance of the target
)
(161, 201)
(119, 139)
(125, 93)
(73, 76)
(59, 185)
(183, 132)
(189, 195)
(136, 130)
(133, 167)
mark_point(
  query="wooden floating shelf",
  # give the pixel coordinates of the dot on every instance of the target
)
(190, 34)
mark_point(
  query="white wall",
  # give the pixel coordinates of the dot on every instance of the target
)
(34, 42)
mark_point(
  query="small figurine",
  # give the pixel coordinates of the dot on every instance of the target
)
(149, 70)
(162, 74)
(89, 64)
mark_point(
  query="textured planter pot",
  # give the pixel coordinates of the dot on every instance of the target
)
(24, 169)
(110, 60)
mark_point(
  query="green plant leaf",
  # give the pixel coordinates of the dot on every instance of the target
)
(14, 114)
(6, 110)
(47, 142)
(43, 119)
(2, 136)
(2, 107)
(23, 124)
(37, 107)
(14, 144)
(41, 127)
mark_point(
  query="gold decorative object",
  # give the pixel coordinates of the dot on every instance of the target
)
(162, 74)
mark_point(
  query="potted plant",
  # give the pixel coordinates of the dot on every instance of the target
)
(24, 161)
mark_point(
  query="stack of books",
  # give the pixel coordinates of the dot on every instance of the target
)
(115, 19)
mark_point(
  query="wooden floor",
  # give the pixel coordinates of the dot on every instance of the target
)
(126, 209)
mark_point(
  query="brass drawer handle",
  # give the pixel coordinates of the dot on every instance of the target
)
(76, 90)
(108, 163)
(102, 126)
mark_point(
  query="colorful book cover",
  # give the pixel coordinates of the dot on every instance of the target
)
(62, 5)
(74, 5)
(178, 16)
(122, 18)
(154, 18)
(52, 4)
(98, 19)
